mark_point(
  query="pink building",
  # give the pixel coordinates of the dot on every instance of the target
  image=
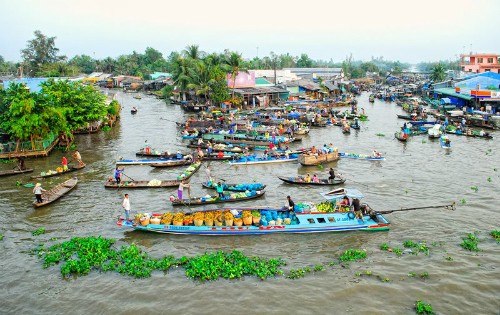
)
(479, 63)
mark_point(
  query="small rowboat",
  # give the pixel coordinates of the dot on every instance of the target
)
(57, 192)
(445, 142)
(237, 187)
(360, 156)
(15, 171)
(71, 169)
(401, 136)
(142, 184)
(200, 201)
(322, 182)
(251, 160)
(133, 111)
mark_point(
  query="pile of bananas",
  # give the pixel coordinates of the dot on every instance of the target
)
(325, 207)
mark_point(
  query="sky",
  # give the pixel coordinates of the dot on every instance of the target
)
(408, 31)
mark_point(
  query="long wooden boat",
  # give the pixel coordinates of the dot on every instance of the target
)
(142, 184)
(314, 159)
(272, 221)
(251, 160)
(237, 187)
(56, 192)
(221, 147)
(473, 134)
(154, 153)
(225, 157)
(71, 169)
(200, 201)
(171, 163)
(15, 171)
(148, 161)
(322, 181)
(360, 156)
(188, 172)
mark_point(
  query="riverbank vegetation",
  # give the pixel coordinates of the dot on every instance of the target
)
(60, 108)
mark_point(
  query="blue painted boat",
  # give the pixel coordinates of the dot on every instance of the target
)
(236, 187)
(444, 142)
(274, 220)
(149, 161)
(250, 160)
(360, 156)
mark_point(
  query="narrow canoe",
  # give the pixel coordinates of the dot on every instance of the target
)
(401, 136)
(15, 171)
(474, 135)
(57, 192)
(360, 156)
(322, 182)
(157, 154)
(71, 169)
(200, 201)
(146, 161)
(237, 187)
(187, 173)
(141, 184)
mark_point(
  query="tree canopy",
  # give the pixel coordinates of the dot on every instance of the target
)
(40, 51)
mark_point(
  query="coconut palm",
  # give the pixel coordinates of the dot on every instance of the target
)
(181, 74)
(234, 61)
(201, 80)
(193, 52)
(438, 73)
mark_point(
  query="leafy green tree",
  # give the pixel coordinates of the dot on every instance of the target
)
(85, 63)
(193, 52)
(218, 86)
(40, 51)
(201, 80)
(7, 67)
(304, 61)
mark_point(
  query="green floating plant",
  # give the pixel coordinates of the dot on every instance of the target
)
(38, 232)
(489, 179)
(496, 235)
(475, 188)
(423, 308)
(463, 201)
(470, 242)
(353, 254)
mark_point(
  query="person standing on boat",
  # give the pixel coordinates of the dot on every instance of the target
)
(38, 190)
(78, 158)
(332, 175)
(291, 204)
(208, 174)
(118, 173)
(220, 190)
(126, 207)
(64, 163)
(183, 185)
(357, 209)
(20, 163)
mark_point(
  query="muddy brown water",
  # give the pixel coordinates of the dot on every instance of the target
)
(416, 173)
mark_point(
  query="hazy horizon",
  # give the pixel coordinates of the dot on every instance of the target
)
(422, 31)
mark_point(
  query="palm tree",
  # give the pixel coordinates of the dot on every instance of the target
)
(235, 63)
(438, 73)
(193, 52)
(181, 74)
(201, 80)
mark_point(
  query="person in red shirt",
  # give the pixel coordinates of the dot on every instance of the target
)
(271, 145)
(220, 155)
(64, 163)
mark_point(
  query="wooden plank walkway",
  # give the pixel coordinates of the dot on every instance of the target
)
(29, 153)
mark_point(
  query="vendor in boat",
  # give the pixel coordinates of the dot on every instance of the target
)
(118, 173)
(77, 156)
(332, 175)
(344, 204)
(291, 204)
(64, 162)
(20, 163)
(38, 190)
(308, 178)
(182, 185)
(315, 179)
(220, 155)
(220, 190)
(376, 154)
(357, 209)
(265, 156)
(200, 153)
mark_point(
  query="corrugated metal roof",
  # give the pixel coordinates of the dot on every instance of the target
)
(451, 92)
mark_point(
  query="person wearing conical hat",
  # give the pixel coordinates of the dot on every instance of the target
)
(38, 190)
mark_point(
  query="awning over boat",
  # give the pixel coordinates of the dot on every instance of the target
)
(341, 192)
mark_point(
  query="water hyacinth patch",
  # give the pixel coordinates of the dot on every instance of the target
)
(40, 231)
(495, 235)
(423, 308)
(470, 242)
(353, 254)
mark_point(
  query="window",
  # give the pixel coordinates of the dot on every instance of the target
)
(487, 70)
(310, 220)
(321, 220)
(480, 60)
(470, 70)
(331, 219)
(490, 60)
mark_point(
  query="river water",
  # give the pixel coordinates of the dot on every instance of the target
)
(416, 173)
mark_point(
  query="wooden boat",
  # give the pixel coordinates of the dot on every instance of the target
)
(360, 156)
(444, 142)
(133, 111)
(228, 197)
(171, 163)
(314, 159)
(346, 129)
(71, 169)
(148, 161)
(251, 160)
(277, 221)
(15, 171)
(154, 153)
(236, 187)
(221, 147)
(474, 134)
(57, 192)
(401, 136)
(188, 172)
(435, 132)
(142, 184)
(371, 98)
(322, 181)
(225, 157)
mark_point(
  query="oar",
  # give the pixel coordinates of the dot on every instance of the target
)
(448, 207)
(128, 177)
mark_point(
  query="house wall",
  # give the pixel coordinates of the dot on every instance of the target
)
(479, 63)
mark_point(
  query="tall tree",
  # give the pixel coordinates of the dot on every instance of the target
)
(86, 63)
(234, 62)
(193, 52)
(304, 61)
(438, 73)
(40, 51)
